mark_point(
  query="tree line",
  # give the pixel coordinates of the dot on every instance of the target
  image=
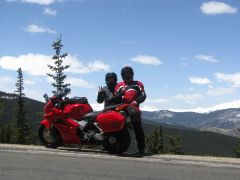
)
(19, 130)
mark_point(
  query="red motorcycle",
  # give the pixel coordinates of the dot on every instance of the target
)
(72, 121)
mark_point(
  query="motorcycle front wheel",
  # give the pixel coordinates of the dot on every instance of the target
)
(117, 142)
(50, 138)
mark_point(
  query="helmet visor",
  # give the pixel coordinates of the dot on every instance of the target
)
(111, 80)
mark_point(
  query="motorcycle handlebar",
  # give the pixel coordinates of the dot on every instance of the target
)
(112, 107)
(62, 92)
(58, 94)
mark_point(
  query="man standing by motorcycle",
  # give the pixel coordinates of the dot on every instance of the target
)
(105, 94)
(134, 94)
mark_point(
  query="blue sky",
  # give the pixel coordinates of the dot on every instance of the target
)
(185, 52)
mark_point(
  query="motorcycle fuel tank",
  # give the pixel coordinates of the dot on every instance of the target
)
(76, 111)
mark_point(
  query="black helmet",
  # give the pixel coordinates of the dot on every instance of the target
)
(111, 79)
(127, 74)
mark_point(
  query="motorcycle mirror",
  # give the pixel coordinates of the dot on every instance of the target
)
(45, 97)
(67, 90)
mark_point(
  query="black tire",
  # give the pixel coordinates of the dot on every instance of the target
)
(117, 142)
(50, 138)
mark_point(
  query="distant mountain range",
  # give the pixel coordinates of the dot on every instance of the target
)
(225, 121)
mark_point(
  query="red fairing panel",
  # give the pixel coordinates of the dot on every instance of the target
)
(111, 121)
(68, 131)
(76, 111)
(45, 123)
(49, 106)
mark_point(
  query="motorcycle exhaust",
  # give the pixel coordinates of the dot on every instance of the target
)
(98, 137)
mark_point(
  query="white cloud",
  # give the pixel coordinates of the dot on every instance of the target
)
(77, 82)
(227, 105)
(199, 80)
(207, 58)
(36, 64)
(49, 11)
(220, 91)
(188, 98)
(78, 67)
(149, 108)
(4, 80)
(161, 100)
(33, 28)
(41, 2)
(184, 64)
(215, 7)
(98, 66)
(29, 82)
(233, 79)
(144, 59)
(7, 84)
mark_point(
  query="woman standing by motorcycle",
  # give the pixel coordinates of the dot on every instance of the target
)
(106, 93)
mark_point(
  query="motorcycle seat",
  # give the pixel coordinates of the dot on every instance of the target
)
(78, 100)
(91, 115)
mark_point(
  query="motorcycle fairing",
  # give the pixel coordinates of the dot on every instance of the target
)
(68, 131)
(110, 121)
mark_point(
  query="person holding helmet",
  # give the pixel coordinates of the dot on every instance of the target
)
(133, 93)
(106, 93)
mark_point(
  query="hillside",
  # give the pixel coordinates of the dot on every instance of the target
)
(196, 142)
(34, 109)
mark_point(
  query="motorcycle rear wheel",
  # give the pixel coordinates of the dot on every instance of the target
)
(117, 142)
(50, 138)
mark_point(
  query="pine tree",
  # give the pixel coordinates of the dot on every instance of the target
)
(154, 141)
(58, 69)
(237, 149)
(157, 143)
(173, 145)
(1, 105)
(5, 130)
(22, 127)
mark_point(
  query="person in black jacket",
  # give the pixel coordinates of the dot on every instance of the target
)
(106, 93)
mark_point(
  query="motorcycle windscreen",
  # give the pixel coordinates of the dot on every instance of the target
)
(111, 121)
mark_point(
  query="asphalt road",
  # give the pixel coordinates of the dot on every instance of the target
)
(25, 163)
